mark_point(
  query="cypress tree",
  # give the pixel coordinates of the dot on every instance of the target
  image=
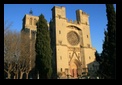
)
(97, 57)
(108, 65)
(43, 49)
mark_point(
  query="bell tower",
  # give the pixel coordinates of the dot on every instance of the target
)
(29, 23)
(28, 36)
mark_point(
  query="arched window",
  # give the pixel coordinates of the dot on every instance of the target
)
(61, 69)
(30, 21)
(35, 21)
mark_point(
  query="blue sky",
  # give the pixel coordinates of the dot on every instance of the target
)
(97, 17)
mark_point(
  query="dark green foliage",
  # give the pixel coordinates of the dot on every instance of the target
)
(108, 65)
(43, 49)
(98, 57)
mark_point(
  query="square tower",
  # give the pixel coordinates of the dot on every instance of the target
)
(28, 37)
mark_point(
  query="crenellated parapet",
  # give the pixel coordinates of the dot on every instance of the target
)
(72, 22)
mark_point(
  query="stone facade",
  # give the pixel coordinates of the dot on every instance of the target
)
(70, 42)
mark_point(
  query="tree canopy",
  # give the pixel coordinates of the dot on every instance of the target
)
(108, 65)
(43, 49)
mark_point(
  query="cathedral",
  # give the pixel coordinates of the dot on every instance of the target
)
(73, 53)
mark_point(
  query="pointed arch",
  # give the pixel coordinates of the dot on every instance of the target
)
(72, 26)
(74, 53)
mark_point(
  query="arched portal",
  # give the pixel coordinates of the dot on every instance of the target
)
(75, 67)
